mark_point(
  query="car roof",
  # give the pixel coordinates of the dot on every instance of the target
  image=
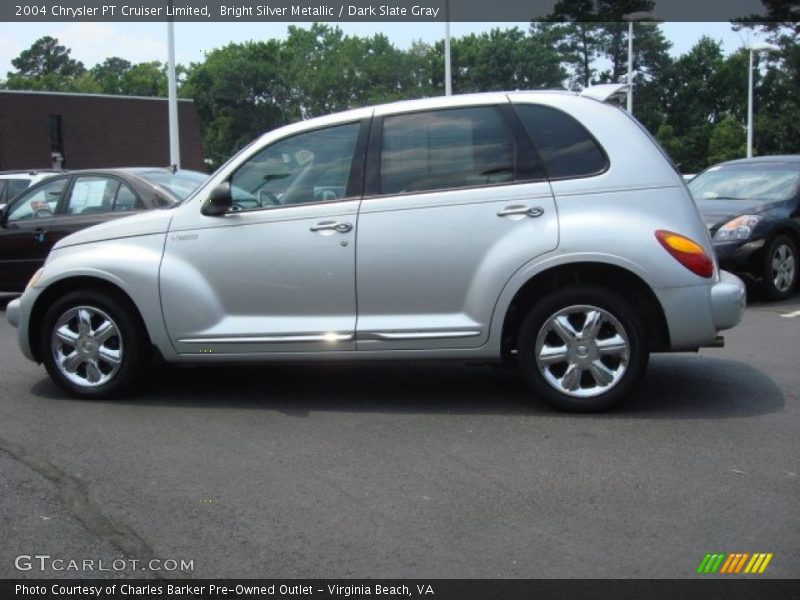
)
(417, 104)
(31, 172)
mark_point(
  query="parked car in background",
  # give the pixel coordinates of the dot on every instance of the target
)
(66, 202)
(752, 210)
(13, 183)
(544, 229)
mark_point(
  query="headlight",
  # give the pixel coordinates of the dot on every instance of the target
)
(35, 278)
(740, 228)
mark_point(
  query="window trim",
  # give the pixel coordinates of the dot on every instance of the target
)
(589, 134)
(373, 166)
(11, 207)
(355, 179)
(64, 202)
(122, 182)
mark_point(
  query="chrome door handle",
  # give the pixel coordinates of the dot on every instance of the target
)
(521, 209)
(332, 226)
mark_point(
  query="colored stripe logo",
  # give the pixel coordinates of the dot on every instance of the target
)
(734, 563)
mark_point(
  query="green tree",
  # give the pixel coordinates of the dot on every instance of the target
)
(592, 29)
(109, 74)
(727, 140)
(777, 94)
(506, 59)
(46, 57)
(46, 65)
(240, 91)
(145, 79)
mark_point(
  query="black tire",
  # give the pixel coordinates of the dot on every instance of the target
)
(618, 343)
(775, 275)
(113, 379)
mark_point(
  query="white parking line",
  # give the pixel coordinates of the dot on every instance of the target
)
(791, 315)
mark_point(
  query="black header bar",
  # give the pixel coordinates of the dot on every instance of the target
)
(333, 11)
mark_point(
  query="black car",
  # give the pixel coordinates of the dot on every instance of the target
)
(52, 209)
(752, 209)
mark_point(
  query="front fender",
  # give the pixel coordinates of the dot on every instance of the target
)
(130, 264)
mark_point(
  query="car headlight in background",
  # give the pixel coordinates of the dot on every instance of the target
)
(740, 228)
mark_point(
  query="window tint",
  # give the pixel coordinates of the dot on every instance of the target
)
(9, 188)
(310, 167)
(179, 183)
(126, 199)
(565, 146)
(17, 186)
(39, 202)
(767, 182)
(91, 195)
(445, 149)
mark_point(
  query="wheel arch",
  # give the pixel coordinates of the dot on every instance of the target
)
(600, 274)
(70, 284)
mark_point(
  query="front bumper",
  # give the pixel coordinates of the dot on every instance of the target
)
(740, 257)
(18, 313)
(12, 312)
(728, 299)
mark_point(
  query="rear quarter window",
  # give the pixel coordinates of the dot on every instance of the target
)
(566, 148)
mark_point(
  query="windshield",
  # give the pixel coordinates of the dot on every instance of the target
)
(180, 184)
(765, 182)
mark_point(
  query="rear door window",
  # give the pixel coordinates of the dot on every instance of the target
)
(97, 194)
(445, 149)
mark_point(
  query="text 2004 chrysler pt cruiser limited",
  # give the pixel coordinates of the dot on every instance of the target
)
(545, 228)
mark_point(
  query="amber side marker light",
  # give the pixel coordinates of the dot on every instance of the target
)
(690, 254)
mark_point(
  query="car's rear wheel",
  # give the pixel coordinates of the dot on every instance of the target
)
(780, 268)
(92, 345)
(582, 348)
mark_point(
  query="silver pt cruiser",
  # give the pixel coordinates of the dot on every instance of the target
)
(542, 228)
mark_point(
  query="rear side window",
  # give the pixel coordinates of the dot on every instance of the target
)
(566, 147)
(16, 186)
(445, 149)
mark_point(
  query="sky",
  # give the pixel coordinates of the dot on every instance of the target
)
(91, 43)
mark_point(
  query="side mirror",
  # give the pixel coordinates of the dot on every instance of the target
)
(4, 215)
(219, 201)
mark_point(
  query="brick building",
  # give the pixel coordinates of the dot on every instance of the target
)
(83, 131)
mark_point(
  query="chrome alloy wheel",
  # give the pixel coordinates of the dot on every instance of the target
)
(783, 268)
(582, 351)
(87, 346)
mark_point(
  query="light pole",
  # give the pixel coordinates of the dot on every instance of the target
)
(172, 100)
(753, 48)
(631, 18)
(448, 74)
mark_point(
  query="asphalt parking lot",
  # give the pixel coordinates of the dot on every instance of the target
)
(410, 470)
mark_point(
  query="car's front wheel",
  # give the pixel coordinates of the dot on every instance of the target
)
(582, 348)
(780, 268)
(92, 345)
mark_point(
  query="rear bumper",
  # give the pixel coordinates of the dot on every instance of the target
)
(696, 314)
(728, 299)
